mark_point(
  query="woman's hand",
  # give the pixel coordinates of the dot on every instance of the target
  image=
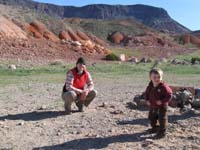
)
(84, 95)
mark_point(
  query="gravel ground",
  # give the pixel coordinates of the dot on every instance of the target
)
(31, 117)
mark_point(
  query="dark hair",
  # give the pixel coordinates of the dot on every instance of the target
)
(81, 60)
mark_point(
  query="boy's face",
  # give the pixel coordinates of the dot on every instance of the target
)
(155, 78)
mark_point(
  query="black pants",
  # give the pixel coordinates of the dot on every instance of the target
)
(160, 115)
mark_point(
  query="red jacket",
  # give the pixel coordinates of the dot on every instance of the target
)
(80, 80)
(162, 92)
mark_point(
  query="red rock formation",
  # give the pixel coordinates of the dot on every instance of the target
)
(64, 35)
(82, 35)
(73, 35)
(116, 37)
(39, 30)
(187, 39)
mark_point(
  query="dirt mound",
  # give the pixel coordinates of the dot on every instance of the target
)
(10, 30)
(39, 30)
(190, 39)
(116, 37)
(146, 39)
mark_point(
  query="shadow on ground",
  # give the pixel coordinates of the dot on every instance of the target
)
(34, 116)
(145, 121)
(93, 143)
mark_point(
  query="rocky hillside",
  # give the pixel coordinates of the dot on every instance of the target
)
(196, 33)
(154, 17)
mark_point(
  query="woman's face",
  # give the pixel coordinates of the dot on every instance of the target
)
(155, 78)
(80, 67)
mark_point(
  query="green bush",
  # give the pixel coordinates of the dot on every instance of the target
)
(195, 59)
(112, 57)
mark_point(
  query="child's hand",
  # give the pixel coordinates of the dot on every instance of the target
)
(148, 103)
(158, 102)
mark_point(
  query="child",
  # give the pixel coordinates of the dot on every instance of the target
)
(158, 95)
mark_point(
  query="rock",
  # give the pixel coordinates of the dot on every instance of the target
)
(148, 141)
(176, 62)
(116, 37)
(144, 60)
(76, 43)
(196, 103)
(117, 112)
(139, 100)
(197, 93)
(89, 44)
(122, 57)
(43, 107)
(21, 123)
(133, 59)
(12, 67)
(39, 30)
(149, 60)
(63, 35)
(104, 104)
(171, 110)
(190, 39)
(83, 36)
(163, 60)
(73, 35)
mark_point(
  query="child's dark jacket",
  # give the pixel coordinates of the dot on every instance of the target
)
(162, 92)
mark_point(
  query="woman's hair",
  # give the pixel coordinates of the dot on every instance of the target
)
(157, 71)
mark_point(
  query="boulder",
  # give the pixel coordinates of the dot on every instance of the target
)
(133, 59)
(50, 36)
(76, 43)
(83, 36)
(196, 103)
(163, 60)
(122, 57)
(39, 30)
(73, 35)
(144, 60)
(140, 100)
(116, 37)
(63, 35)
(12, 67)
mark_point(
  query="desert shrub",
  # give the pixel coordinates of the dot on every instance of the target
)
(195, 59)
(112, 57)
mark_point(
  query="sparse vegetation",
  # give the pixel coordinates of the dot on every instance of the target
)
(112, 57)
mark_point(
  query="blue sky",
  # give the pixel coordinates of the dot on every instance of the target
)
(186, 12)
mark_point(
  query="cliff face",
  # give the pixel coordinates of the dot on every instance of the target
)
(154, 17)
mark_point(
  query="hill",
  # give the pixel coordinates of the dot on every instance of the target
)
(154, 17)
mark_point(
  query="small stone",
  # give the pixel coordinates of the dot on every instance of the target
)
(43, 107)
(117, 112)
(122, 57)
(21, 123)
(104, 104)
(148, 141)
(12, 67)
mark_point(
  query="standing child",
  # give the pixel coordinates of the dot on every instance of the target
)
(158, 95)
